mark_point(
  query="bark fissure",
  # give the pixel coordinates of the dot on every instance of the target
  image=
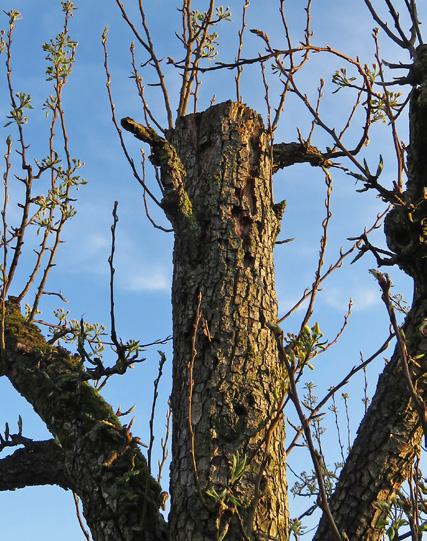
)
(225, 152)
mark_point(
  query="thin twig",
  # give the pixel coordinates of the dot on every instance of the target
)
(148, 46)
(315, 457)
(385, 285)
(164, 444)
(334, 266)
(140, 89)
(48, 229)
(197, 320)
(4, 243)
(114, 339)
(239, 50)
(79, 517)
(401, 42)
(191, 66)
(151, 426)
(153, 406)
(337, 387)
(116, 125)
(144, 197)
(334, 410)
(28, 181)
(389, 112)
(59, 82)
(323, 243)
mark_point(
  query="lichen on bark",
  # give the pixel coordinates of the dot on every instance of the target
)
(102, 461)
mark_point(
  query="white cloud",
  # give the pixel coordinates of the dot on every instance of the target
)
(363, 298)
(154, 280)
(139, 267)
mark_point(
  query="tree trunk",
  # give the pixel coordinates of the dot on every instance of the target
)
(389, 436)
(379, 461)
(100, 458)
(227, 383)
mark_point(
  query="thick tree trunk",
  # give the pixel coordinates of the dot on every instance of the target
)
(390, 434)
(228, 472)
(227, 383)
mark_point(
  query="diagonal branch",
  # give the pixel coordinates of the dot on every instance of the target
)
(176, 202)
(100, 454)
(380, 459)
(402, 43)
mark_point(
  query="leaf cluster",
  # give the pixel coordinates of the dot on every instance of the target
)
(17, 114)
(60, 55)
(302, 348)
(207, 45)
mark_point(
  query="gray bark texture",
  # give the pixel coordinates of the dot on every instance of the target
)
(390, 434)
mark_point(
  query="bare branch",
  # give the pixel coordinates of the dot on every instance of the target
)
(79, 517)
(317, 463)
(315, 411)
(38, 463)
(116, 125)
(338, 263)
(176, 202)
(240, 48)
(402, 41)
(322, 251)
(385, 285)
(148, 46)
(286, 154)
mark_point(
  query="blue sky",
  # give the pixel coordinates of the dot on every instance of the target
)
(144, 255)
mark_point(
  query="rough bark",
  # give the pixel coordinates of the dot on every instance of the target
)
(380, 459)
(216, 172)
(100, 457)
(390, 434)
(286, 154)
(40, 463)
(226, 372)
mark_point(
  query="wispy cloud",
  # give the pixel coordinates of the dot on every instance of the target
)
(137, 267)
(145, 280)
(363, 298)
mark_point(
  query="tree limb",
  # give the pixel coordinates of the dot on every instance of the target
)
(380, 459)
(286, 154)
(40, 463)
(101, 456)
(176, 202)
